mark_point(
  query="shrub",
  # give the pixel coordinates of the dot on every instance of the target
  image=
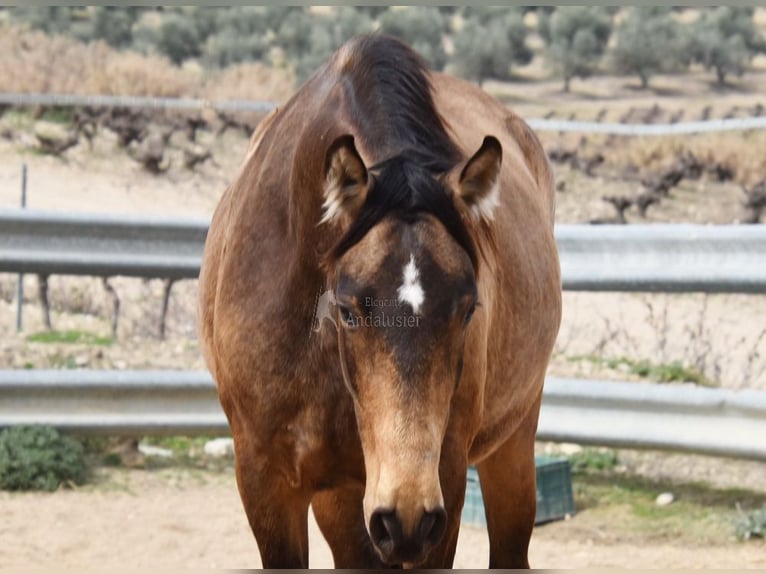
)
(234, 35)
(49, 19)
(227, 48)
(39, 458)
(35, 62)
(590, 459)
(248, 81)
(114, 25)
(294, 34)
(178, 38)
(752, 524)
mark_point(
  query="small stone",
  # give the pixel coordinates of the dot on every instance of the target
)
(150, 450)
(81, 360)
(219, 447)
(121, 365)
(665, 499)
(568, 449)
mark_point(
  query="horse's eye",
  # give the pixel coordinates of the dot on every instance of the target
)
(347, 317)
(469, 314)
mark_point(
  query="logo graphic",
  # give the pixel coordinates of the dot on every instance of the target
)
(323, 309)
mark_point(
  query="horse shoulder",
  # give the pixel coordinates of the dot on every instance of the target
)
(208, 278)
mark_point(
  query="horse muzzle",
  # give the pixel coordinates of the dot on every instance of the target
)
(396, 545)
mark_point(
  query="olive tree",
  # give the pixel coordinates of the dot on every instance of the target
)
(647, 43)
(725, 39)
(489, 44)
(577, 38)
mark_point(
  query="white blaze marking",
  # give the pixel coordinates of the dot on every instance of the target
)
(410, 291)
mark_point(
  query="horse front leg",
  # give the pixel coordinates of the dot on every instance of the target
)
(340, 516)
(276, 511)
(508, 487)
(453, 468)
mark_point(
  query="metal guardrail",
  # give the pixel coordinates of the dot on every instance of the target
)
(101, 245)
(75, 100)
(611, 128)
(663, 417)
(607, 413)
(662, 258)
(94, 402)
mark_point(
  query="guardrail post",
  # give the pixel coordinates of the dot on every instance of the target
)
(42, 282)
(165, 303)
(20, 285)
(112, 292)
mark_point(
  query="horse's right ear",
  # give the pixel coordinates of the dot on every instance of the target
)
(345, 188)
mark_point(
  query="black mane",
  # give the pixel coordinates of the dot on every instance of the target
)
(390, 92)
(392, 104)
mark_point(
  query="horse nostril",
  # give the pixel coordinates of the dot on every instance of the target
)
(432, 526)
(385, 530)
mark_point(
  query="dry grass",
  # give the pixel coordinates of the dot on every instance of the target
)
(741, 151)
(35, 62)
(718, 340)
(134, 74)
(249, 81)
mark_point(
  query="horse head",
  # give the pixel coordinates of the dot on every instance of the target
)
(404, 274)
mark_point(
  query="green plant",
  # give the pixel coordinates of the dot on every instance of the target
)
(178, 37)
(751, 524)
(180, 445)
(673, 372)
(590, 459)
(39, 458)
(111, 459)
(57, 115)
(70, 337)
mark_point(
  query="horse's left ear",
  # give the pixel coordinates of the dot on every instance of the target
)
(345, 188)
(479, 184)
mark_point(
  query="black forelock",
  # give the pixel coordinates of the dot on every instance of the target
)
(402, 187)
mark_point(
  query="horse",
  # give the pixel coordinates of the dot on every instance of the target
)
(421, 210)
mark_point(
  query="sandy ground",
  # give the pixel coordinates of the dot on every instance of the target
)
(174, 518)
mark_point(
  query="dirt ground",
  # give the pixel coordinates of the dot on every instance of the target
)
(180, 518)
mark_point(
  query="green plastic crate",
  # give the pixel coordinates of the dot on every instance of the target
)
(554, 493)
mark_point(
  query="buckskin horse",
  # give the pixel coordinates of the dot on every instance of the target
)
(407, 194)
